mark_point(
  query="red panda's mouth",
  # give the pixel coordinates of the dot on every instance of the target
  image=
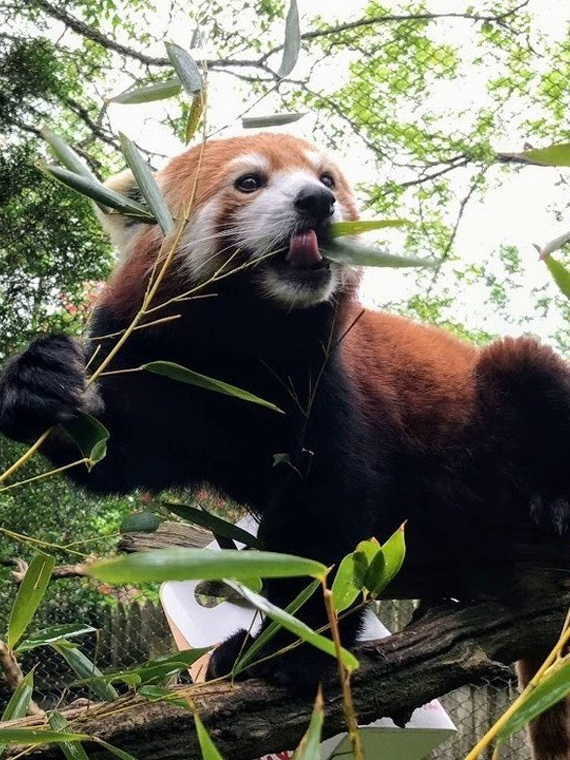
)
(303, 252)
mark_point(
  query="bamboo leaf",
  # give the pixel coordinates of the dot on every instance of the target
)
(66, 155)
(29, 596)
(184, 375)
(85, 669)
(356, 254)
(156, 91)
(120, 753)
(213, 523)
(50, 635)
(72, 750)
(89, 435)
(272, 120)
(161, 694)
(207, 746)
(146, 184)
(19, 702)
(99, 193)
(552, 687)
(292, 43)
(554, 155)
(140, 522)
(310, 745)
(186, 68)
(196, 110)
(158, 669)
(560, 274)
(196, 564)
(344, 589)
(268, 633)
(37, 736)
(294, 625)
(337, 229)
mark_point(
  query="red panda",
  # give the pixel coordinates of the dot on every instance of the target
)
(384, 420)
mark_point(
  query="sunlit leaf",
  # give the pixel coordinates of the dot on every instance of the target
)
(146, 184)
(186, 68)
(213, 523)
(292, 43)
(195, 564)
(85, 669)
(338, 229)
(268, 633)
(156, 91)
(29, 596)
(66, 155)
(554, 155)
(294, 625)
(89, 435)
(271, 120)
(184, 375)
(310, 745)
(196, 110)
(560, 274)
(72, 750)
(99, 193)
(207, 746)
(140, 522)
(552, 687)
(356, 254)
(54, 633)
(344, 589)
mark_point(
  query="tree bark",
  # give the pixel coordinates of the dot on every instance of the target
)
(450, 645)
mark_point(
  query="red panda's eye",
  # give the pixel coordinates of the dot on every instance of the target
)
(249, 183)
(327, 180)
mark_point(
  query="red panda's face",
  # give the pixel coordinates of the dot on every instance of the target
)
(266, 202)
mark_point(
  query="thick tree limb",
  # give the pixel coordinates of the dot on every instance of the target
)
(449, 646)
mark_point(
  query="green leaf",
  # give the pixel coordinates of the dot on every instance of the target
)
(186, 68)
(268, 633)
(72, 750)
(207, 746)
(310, 745)
(292, 43)
(337, 229)
(394, 553)
(89, 435)
(66, 155)
(160, 694)
(37, 736)
(344, 589)
(374, 580)
(140, 522)
(19, 702)
(293, 625)
(554, 155)
(146, 184)
(560, 274)
(272, 120)
(552, 687)
(196, 110)
(158, 669)
(369, 548)
(213, 523)
(184, 375)
(50, 635)
(99, 193)
(85, 669)
(356, 254)
(29, 596)
(156, 91)
(196, 564)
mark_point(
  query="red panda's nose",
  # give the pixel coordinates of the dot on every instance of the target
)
(315, 202)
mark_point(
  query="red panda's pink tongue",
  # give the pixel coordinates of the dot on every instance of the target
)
(304, 249)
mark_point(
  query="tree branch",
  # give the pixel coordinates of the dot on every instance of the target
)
(449, 646)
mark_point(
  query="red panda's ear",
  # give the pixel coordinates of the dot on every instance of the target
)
(123, 230)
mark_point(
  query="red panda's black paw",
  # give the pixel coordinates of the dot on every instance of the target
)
(550, 513)
(43, 386)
